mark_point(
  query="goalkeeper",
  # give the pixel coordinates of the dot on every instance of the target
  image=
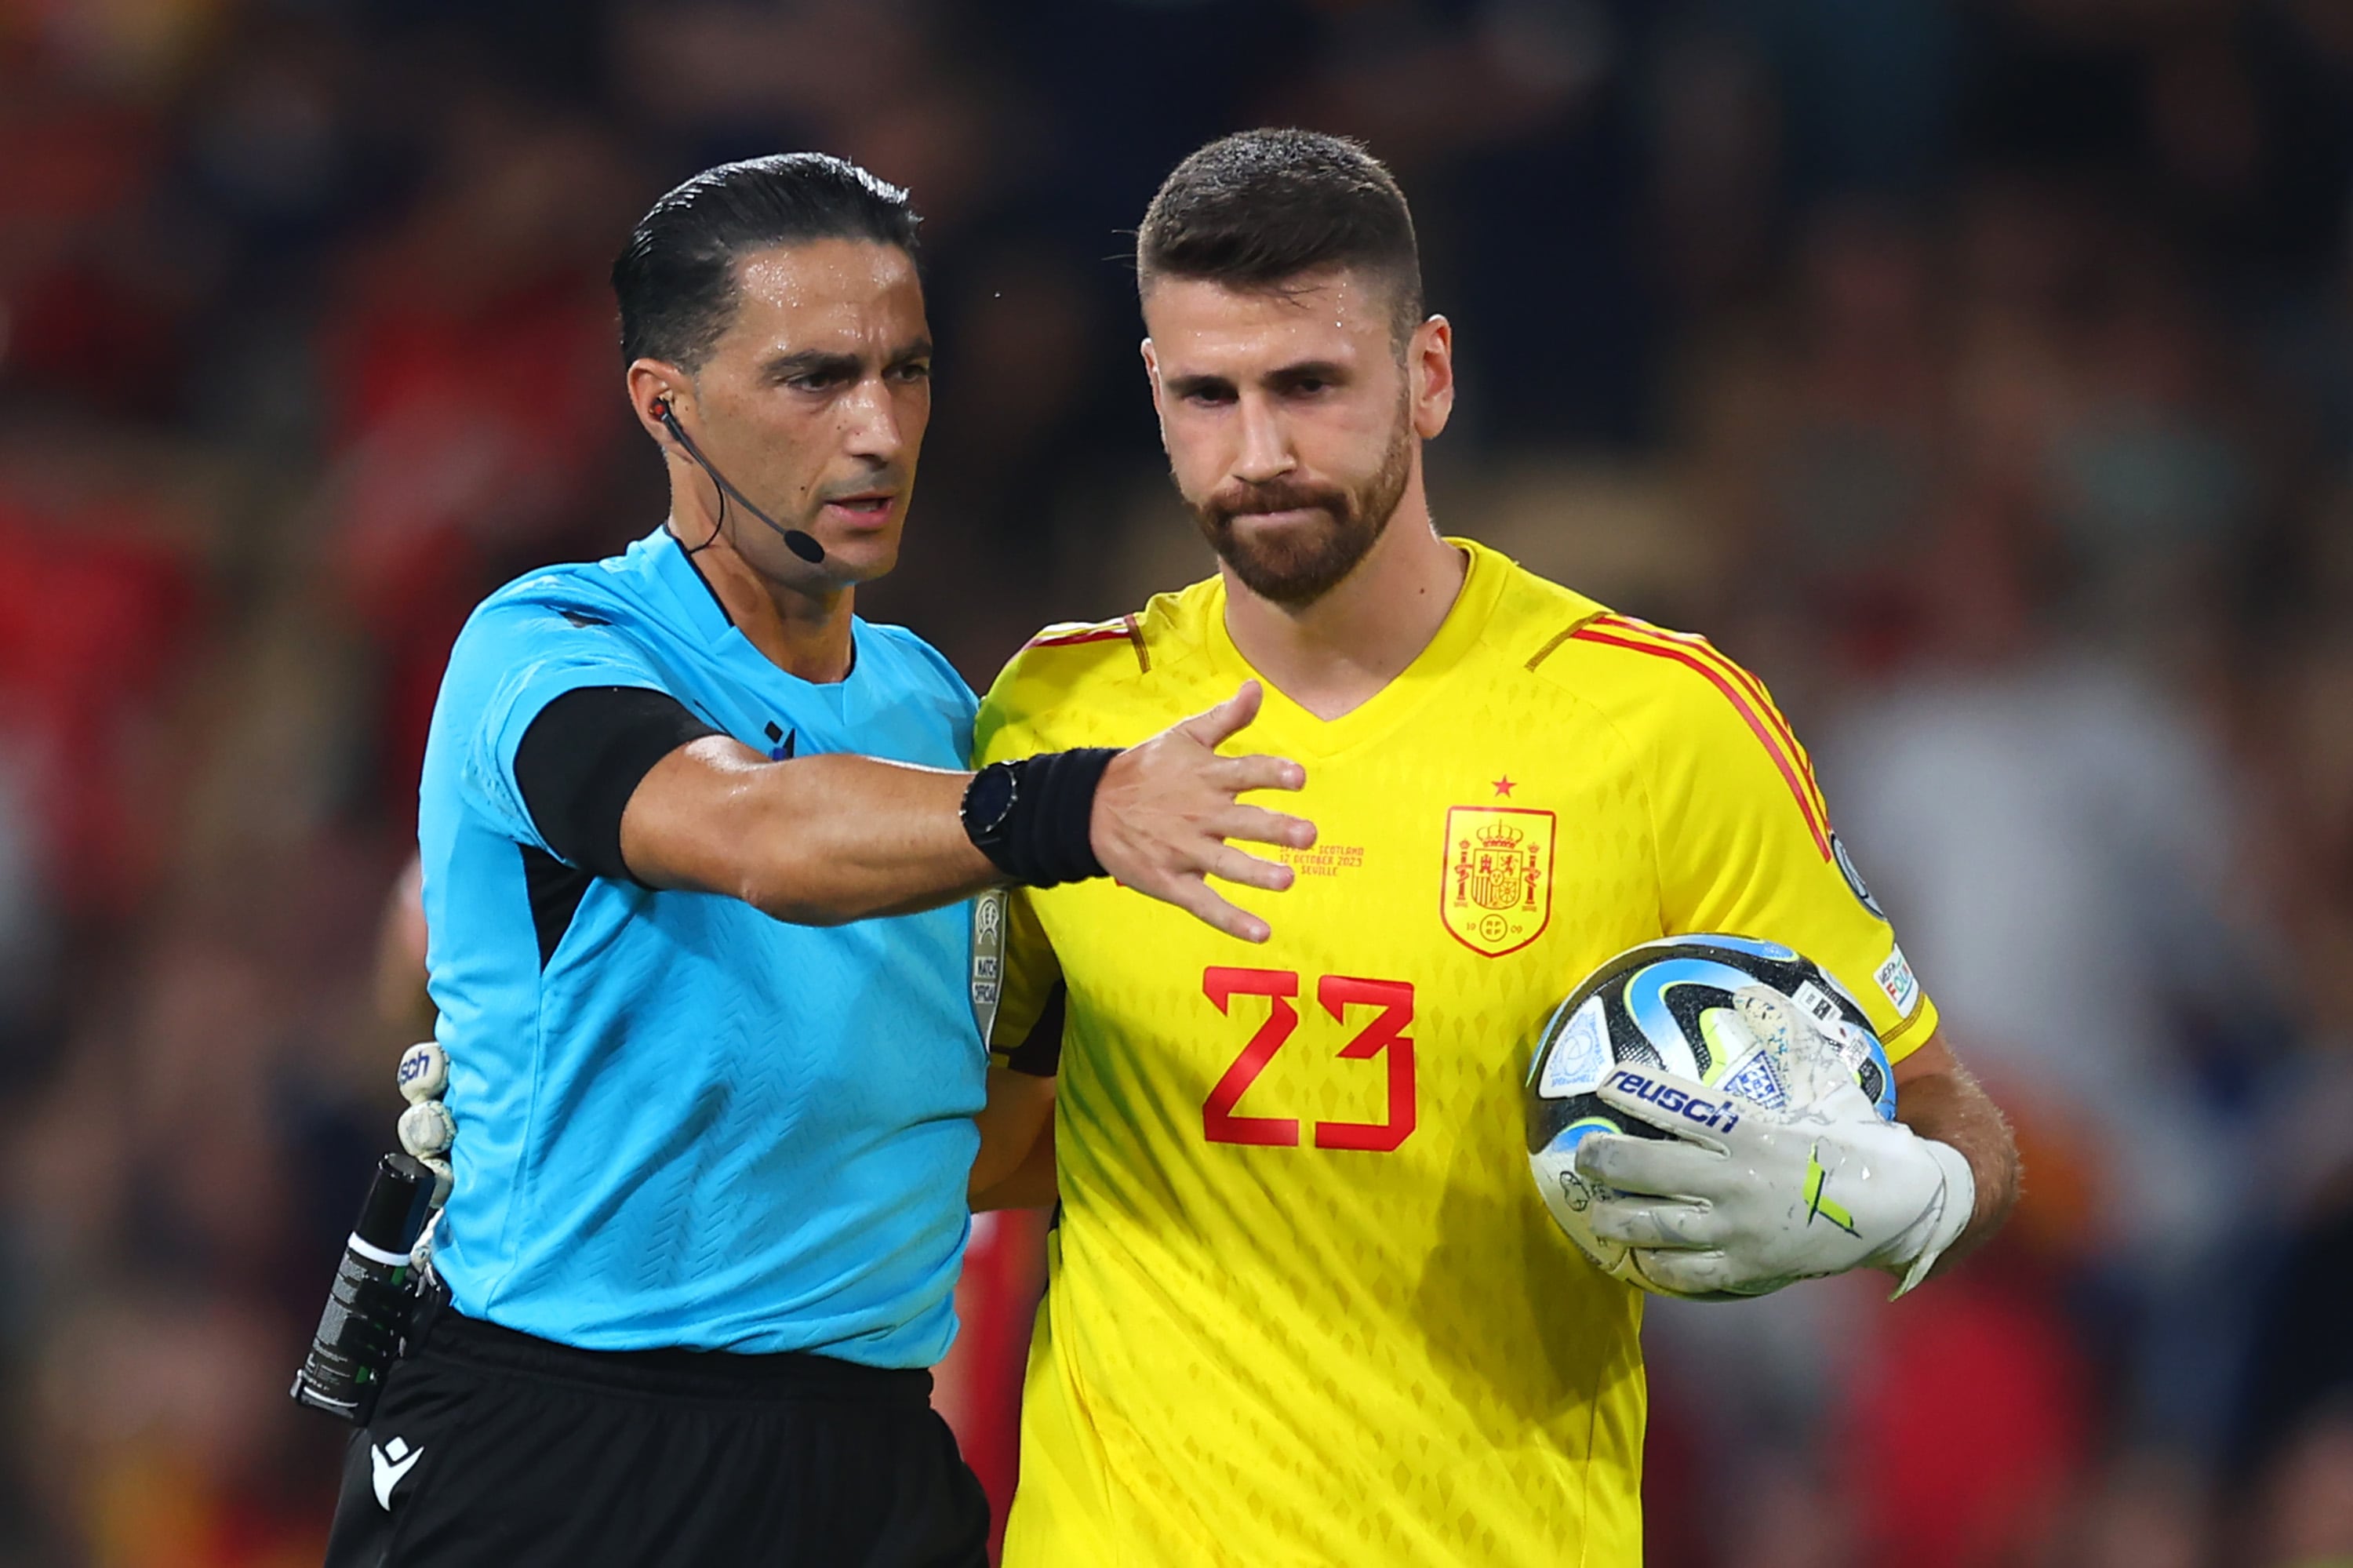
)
(1304, 1303)
(695, 843)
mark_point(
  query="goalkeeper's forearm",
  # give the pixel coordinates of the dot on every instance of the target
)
(1032, 1184)
(1938, 1098)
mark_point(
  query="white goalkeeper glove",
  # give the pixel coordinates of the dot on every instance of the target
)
(1743, 1199)
(427, 1127)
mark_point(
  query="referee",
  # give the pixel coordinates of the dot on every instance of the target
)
(697, 845)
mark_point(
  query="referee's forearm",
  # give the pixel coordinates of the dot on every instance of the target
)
(815, 840)
(852, 838)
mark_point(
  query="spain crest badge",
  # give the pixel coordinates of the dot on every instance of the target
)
(1497, 894)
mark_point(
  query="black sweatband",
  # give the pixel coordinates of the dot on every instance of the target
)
(583, 758)
(1048, 837)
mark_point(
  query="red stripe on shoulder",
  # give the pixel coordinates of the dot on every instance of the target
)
(1126, 629)
(1756, 690)
(1076, 638)
(1617, 635)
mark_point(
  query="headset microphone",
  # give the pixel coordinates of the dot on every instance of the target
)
(798, 543)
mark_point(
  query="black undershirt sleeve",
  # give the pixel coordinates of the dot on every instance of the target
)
(1039, 1054)
(585, 756)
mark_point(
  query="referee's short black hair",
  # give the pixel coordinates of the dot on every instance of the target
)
(1257, 209)
(675, 279)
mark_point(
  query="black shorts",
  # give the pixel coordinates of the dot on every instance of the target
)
(496, 1448)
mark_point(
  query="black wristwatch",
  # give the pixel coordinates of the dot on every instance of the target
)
(1033, 818)
(988, 809)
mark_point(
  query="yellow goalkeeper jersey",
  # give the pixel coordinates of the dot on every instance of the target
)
(1304, 1304)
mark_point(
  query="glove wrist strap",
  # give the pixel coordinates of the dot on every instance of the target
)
(1948, 1217)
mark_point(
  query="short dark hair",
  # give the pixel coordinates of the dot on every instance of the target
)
(1258, 208)
(675, 279)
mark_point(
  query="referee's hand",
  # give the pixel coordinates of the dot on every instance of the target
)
(1165, 809)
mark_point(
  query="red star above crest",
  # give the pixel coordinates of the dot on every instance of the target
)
(1505, 785)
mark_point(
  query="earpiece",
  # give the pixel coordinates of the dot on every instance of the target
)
(798, 543)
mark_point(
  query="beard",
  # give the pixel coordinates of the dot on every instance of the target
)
(1299, 566)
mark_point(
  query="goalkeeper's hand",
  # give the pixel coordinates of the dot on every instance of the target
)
(1744, 1200)
(427, 1127)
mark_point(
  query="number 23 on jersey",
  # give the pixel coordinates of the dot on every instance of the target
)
(1380, 1037)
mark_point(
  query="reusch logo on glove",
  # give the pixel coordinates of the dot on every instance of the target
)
(1690, 1107)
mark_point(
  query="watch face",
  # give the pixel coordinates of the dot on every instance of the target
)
(988, 800)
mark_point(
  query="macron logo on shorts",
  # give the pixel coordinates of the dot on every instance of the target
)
(393, 1461)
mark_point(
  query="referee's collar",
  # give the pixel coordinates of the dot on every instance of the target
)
(691, 595)
(696, 599)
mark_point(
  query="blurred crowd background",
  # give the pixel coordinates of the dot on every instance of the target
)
(1980, 371)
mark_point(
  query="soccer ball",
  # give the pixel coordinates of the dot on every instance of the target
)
(1751, 1018)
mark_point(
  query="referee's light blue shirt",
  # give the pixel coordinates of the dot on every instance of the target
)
(680, 1122)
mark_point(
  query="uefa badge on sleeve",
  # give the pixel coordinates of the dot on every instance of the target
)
(1896, 977)
(1853, 878)
(1497, 897)
(987, 959)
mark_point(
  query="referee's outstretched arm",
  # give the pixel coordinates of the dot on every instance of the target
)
(818, 841)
